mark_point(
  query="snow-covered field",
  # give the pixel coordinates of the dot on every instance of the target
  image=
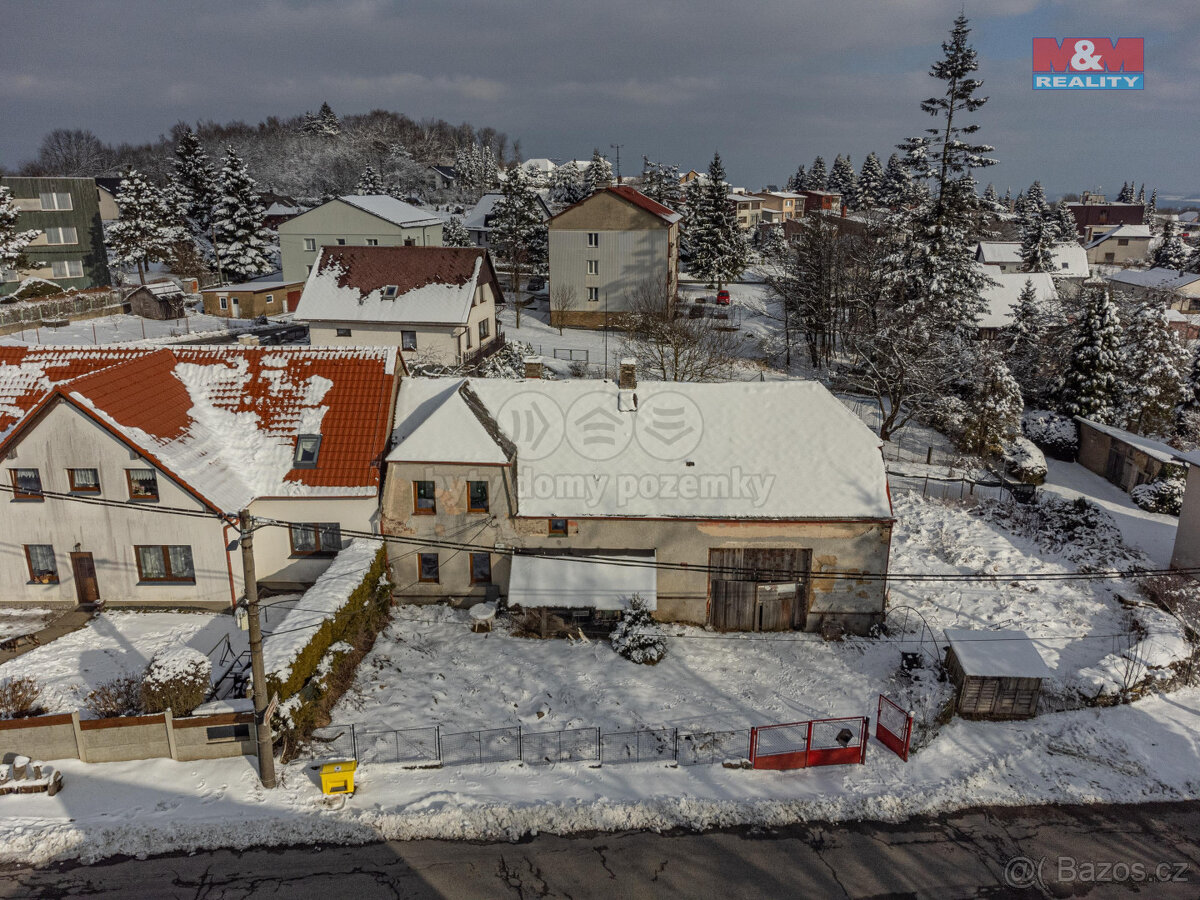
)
(15, 620)
(126, 329)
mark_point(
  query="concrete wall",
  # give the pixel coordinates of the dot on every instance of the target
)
(854, 546)
(335, 219)
(118, 740)
(1137, 466)
(1187, 538)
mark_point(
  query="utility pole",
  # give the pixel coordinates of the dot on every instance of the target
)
(618, 147)
(266, 759)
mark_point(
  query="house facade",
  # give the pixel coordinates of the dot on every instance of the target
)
(434, 304)
(747, 208)
(607, 247)
(1095, 218)
(69, 249)
(781, 206)
(354, 221)
(1180, 290)
(1067, 260)
(157, 300)
(822, 201)
(771, 512)
(123, 479)
(1123, 245)
(263, 297)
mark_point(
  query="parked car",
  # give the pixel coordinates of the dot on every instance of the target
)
(723, 297)
(535, 285)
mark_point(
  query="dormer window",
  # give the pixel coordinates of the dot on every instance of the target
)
(307, 448)
(389, 292)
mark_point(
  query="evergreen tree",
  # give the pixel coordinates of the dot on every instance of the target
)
(1090, 386)
(1193, 264)
(193, 181)
(599, 173)
(369, 183)
(12, 242)
(1025, 336)
(637, 637)
(1019, 207)
(1038, 235)
(1151, 209)
(993, 416)
(1191, 389)
(328, 121)
(661, 183)
(693, 205)
(1126, 194)
(477, 170)
(897, 183)
(1141, 197)
(870, 183)
(842, 179)
(1171, 253)
(1153, 373)
(519, 236)
(991, 199)
(243, 244)
(718, 248)
(1035, 199)
(796, 182)
(455, 234)
(145, 230)
(1007, 200)
(816, 179)
(1064, 224)
(566, 185)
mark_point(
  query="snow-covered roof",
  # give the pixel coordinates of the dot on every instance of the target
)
(1122, 231)
(774, 450)
(162, 289)
(587, 581)
(1152, 448)
(786, 195)
(539, 164)
(1001, 297)
(476, 218)
(282, 209)
(1157, 278)
(224, 420)
(1008, 653)
(1069, 259)
(391, 210)
(258, 284)
(434, 285)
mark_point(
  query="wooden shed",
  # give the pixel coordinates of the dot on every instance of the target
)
(157, 300)
(998, 673)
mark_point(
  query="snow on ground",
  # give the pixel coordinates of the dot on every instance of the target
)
(113, 644)
(20, 620)
(126, 329)
(1152, 533)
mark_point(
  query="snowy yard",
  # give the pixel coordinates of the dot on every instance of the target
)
(16, 620)
(126, 329)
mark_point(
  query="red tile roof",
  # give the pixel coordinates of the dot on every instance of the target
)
(637, 198)
(371, 268)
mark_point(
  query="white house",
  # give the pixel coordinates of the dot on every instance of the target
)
(1069, 260)
(436, 304)
(126, 470)
(1119, 246)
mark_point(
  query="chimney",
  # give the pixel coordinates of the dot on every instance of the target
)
(533, 367)
(627, 379)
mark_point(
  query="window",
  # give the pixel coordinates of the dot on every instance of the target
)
(66, 268)
(55, 200)
(27, 484)
(224, 303)
(308, 447)
(224, 734)
(408, 340)
(594, 294)
(372, 242)
(66, 235)
(477, 496)
(424, 498)
(42, 567)
(84, 481)
(270, 298)
(341, 242)
(427, 565)
(164, 562)
(593, 267)
(310, 244)
(410, 242)
(485, 328)
(1110, 257)
(481, 568)
(9, 275)
(593, 238)
(1122, 242)
(316, 539)
(143, 484)
(342, 332)
(389, 291)
(467, 335)
(1064, 265)
(308, 270)
(558, 527)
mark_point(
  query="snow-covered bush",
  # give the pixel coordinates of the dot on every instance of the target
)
(1078, 530)
(122, 696)
(177, 679)
(949, 416)
(637, 636)
(20, 698)
(1024, 461)
(1055, 434)
(1163, 495)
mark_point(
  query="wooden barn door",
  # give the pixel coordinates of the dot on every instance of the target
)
(758, 589)
(733, 606)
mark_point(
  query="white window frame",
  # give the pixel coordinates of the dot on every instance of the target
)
(67, 265)
(310, 245)
(593, 267)
(224, 301)
(593, 239)
(270, 298)
(57, 198)
(59, 236)
(593, 295)
(372, 242)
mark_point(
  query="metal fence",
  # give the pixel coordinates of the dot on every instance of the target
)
(491, 745)
(694, 748)
(643, 745)
(414, 746)
(962, 488)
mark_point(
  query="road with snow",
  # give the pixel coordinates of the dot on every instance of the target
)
(1077, 851)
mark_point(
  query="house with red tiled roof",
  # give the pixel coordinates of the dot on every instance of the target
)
(605, 249)
(436, 304)
(125, 470)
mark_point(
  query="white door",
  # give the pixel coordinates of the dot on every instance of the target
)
(236, 311)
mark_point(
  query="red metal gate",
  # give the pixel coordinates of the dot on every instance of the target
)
(820, 742)
(893, 727)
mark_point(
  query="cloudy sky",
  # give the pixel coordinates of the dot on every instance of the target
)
(770, 84)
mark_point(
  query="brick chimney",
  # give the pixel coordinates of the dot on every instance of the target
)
(627, 377)
(533, 367)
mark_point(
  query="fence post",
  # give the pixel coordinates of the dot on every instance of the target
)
(753, 744)
(807, 743)
(908, 734)
(676, 730)
(929, 456)
(862, 744)
(437, 734)
(520, 745)
(354, 742)
(169, 725)
(925, 490)
(599, 759)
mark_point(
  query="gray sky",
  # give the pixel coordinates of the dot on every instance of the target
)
(769, 84)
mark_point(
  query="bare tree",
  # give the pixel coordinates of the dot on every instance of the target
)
(71, 153)
(672, 347)
(562, 300)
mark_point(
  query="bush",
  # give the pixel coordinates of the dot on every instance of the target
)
(177, 679)
(120, 697)
(20, 698)
(637, 636)
(1024, 461)
(1053, 433)
(1164, 495)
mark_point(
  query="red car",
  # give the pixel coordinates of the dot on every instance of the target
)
(723, 297)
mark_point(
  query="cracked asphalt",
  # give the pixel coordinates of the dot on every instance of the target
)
(1075, 851)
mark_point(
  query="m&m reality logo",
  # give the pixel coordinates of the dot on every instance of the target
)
(1088, 64)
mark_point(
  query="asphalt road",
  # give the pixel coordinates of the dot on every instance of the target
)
(1081, 851)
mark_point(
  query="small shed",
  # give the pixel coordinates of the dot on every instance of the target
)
(157, 300)
(998, 673)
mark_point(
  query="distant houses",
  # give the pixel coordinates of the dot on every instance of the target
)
(1181, 289)
(1119, 246)
(267, 296)
(1000, 298)
(478, 220)
(1068, 260)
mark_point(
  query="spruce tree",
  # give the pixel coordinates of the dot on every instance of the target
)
(328, 122)
(870, 183)
(816, 179)
(566, 185)
(455, 234)
(637, 637)
(194, 182)
(243, 244)
(1153, 373)
(1035, 199)
(1126, 194)
(897, 183)
(1171, 253)
(1007, 200)
(719, 252)
(1025, 339)
(519, 235)
(993, 415)
(369, 183)
(1090, 385)
(842, 180)
(1190, 404)
(1151, 208)
(599, 173)
(991, 199)
(12, 242)
(1141, 196)
(796, 182)
(661, 183)
(145, 230)
(1066, 231)
(1038, 235)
